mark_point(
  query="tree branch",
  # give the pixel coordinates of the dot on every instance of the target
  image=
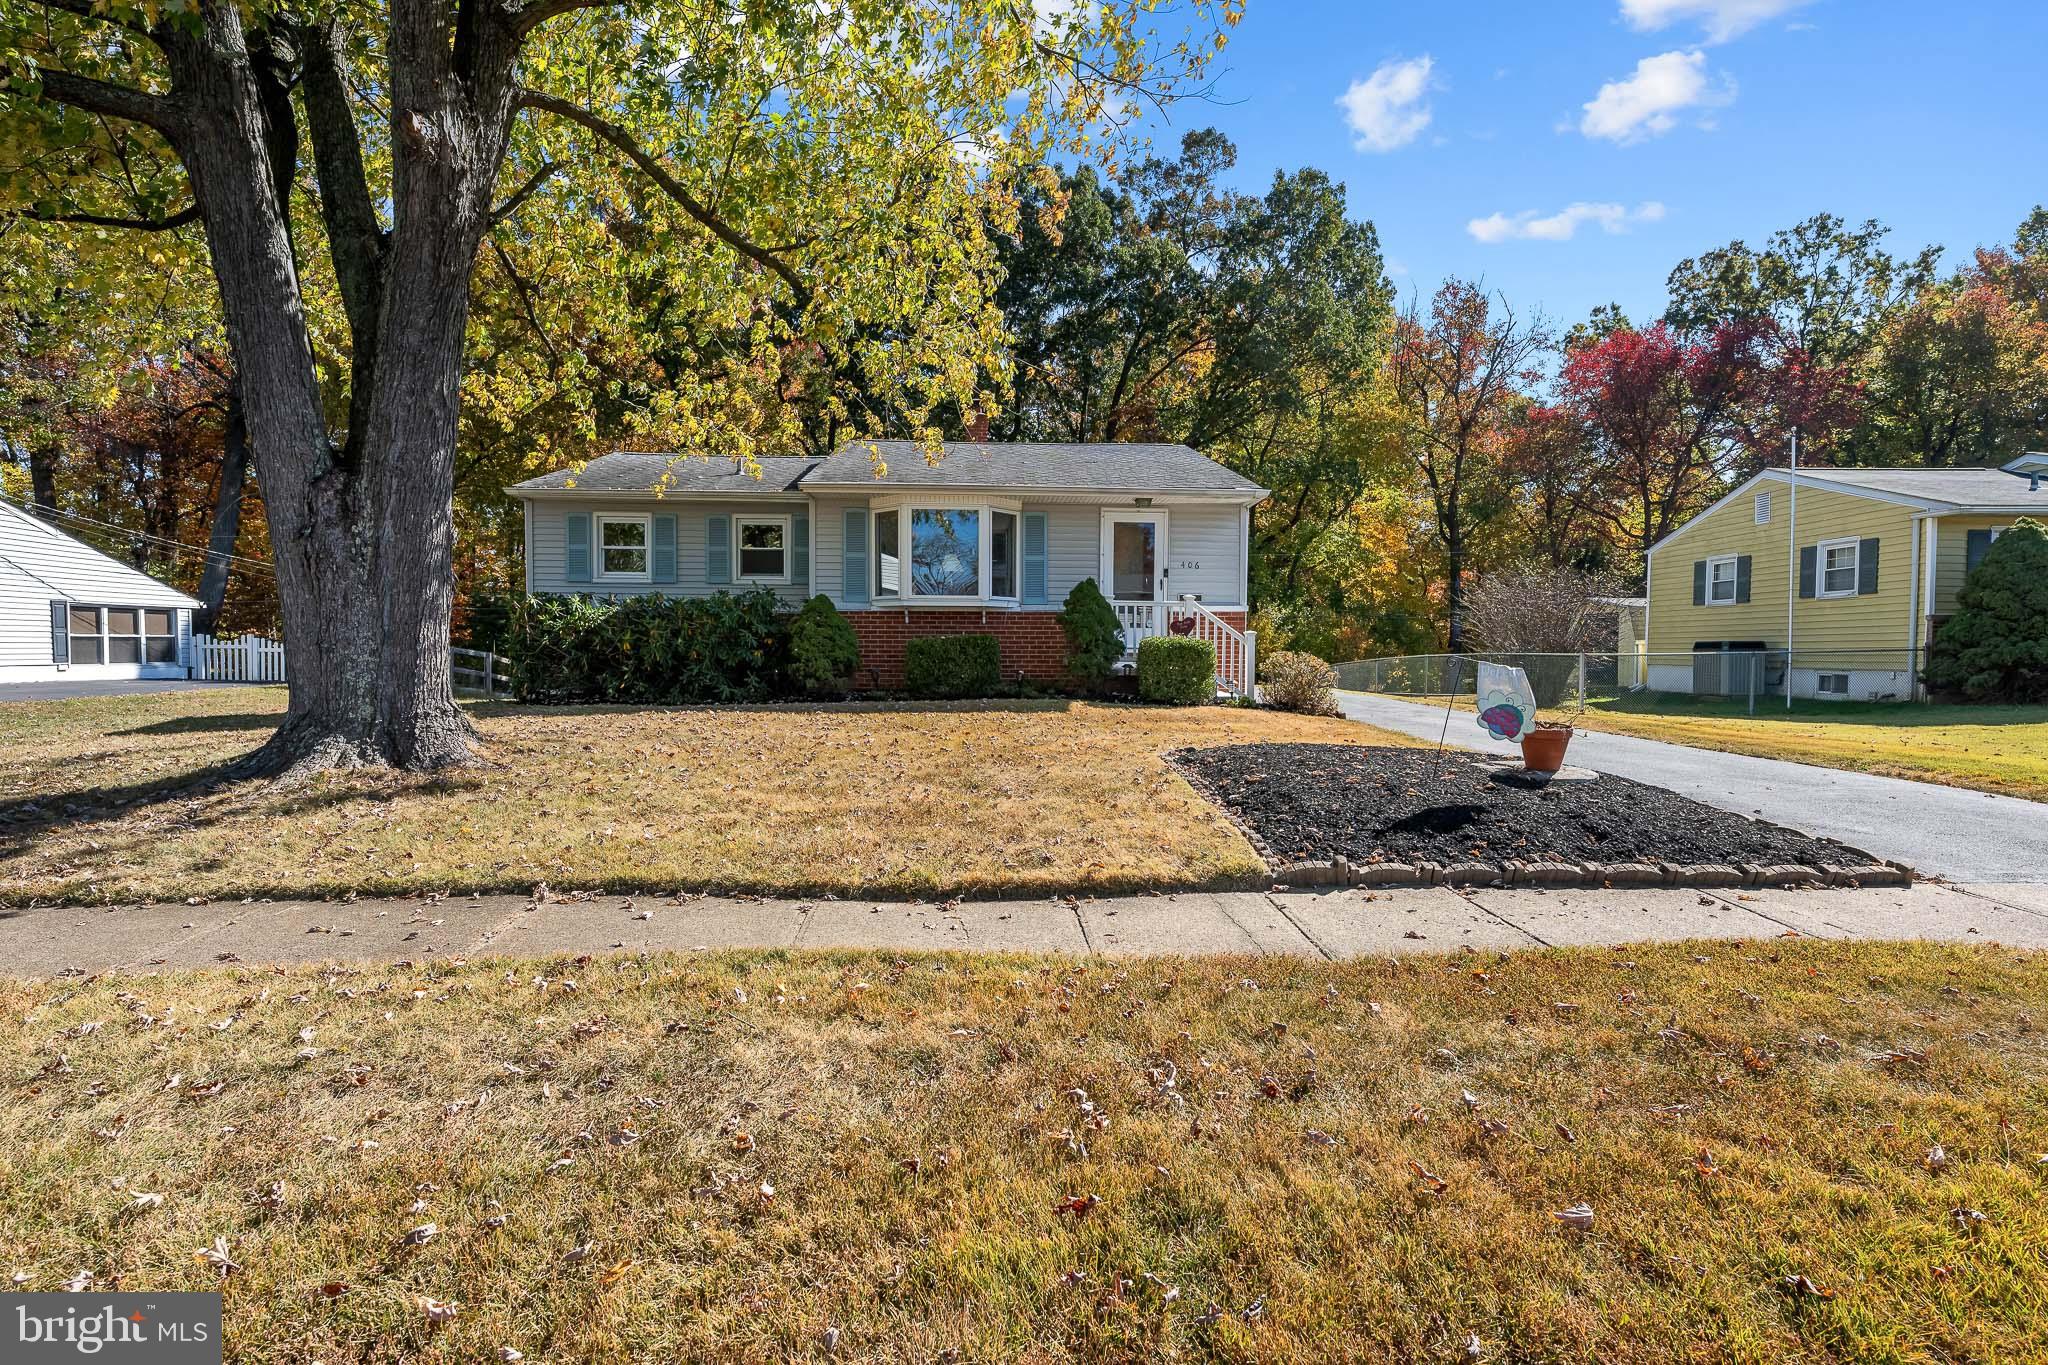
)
(87, 9)
(523, 193)
(532, 15)
(624, 142)
(188, 214)
(355, 239)
(115, 101)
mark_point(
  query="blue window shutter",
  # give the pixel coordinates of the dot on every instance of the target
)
(576, 547)
(664, 564)
(718, 550)
(60, 632)
(853, 583)
(1034, 559)
(800, 551)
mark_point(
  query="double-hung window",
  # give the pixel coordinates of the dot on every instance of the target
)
(622, 543)
(1722, 580)
(952, 551)
(1838, 565)
(761, 549)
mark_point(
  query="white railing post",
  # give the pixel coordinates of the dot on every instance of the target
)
(1251, 664)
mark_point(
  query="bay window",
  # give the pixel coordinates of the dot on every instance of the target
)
(951, 551)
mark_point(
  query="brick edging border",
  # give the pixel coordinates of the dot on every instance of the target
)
(1562, 875)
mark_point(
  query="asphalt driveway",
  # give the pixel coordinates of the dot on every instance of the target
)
(1946, 832)
(59, 689)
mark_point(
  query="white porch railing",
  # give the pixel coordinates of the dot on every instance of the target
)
(239, 658)
(1237, 659)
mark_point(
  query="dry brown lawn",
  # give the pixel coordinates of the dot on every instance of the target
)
(1791, 1151)
(1003, 798)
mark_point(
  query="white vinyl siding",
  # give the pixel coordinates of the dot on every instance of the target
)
(40, 565)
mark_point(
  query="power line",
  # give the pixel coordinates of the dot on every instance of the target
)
(38, 510)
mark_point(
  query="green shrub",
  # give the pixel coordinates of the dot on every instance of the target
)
(1995, 647)
(823, 650)
(953, 666)
(1095, 638)
(649, 649)
(1176, 669)
(1298, 682)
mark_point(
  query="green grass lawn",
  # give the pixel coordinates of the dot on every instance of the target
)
(1791, 1150)
(1989, 748)
(1002, 798)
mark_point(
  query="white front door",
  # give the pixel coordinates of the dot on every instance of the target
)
(1134, 556)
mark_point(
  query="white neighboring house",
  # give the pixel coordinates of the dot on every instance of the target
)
(68, 611)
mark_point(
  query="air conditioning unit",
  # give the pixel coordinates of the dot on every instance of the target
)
(1832, 685)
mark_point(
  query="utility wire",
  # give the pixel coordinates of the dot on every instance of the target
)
(38, 510)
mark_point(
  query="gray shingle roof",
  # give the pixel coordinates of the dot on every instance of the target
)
(640, 472)
(1957, 487)
(1096, 467)
(1102, 467)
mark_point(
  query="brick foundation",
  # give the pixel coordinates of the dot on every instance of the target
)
(1032, 643)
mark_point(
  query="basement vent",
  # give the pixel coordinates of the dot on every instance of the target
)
(1833, 685)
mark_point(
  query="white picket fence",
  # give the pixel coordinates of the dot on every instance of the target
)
(238, 658)
(258, 659)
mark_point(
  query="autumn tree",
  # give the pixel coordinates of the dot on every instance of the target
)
(1459, 372)
(817, 173)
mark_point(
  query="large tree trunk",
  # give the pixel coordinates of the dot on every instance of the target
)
(362, 530)
(227, 519)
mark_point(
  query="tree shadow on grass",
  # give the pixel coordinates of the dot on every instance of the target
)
(196, 725)
(24, 821)
(850, 707)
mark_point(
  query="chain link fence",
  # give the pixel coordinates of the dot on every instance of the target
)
(1751, 675)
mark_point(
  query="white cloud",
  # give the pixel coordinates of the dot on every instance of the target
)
(1531, 226)
(1722, 19)
(1388, 109)
(1648, 102)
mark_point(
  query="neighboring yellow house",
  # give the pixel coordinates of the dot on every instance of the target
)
(1866, 561)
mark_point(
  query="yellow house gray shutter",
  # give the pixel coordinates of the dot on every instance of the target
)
(1977, 546)
(1699, 582)
(1742, 578)
(1866, 567)
(1809, 569)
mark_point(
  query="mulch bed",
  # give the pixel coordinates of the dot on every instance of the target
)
(1319, 802)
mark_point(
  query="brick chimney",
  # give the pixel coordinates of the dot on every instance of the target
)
(977, 426)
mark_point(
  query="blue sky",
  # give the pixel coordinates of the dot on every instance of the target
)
(1467, 132)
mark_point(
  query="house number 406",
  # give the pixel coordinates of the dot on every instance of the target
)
(1189, 564)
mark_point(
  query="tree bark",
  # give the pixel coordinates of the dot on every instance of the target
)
(362, 532)
(1454, 565)
(42, 475)
(227, 519)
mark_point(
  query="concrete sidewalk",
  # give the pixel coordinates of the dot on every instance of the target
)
(1334, 925)
(1947, 832)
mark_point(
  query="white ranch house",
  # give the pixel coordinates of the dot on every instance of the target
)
(68, 611)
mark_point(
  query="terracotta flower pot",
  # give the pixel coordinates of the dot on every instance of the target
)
(1543, 748)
